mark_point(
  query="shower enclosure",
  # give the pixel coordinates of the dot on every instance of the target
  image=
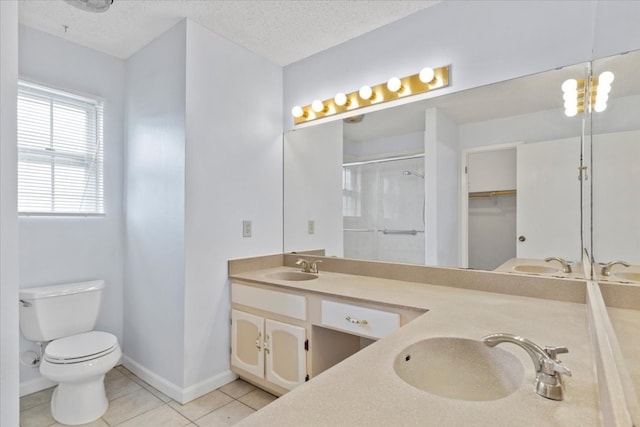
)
(383, 209)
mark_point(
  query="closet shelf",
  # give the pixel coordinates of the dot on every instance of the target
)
(490, 194)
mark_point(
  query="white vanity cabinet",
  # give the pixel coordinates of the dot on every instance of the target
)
(265, 348)
(281, 337)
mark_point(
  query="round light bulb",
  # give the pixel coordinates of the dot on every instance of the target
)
(570, 85)
(317, 106)
(570, 104)
(570, 112)
(297, 112)
(365, 92)
(600, 106)
(426, 75)
(394, 84)
(340, 99)
(604, 88)
(606, 78)
(570, 96)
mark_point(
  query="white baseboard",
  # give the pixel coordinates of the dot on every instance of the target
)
(203, 387)
(35, 385)
(181, 395)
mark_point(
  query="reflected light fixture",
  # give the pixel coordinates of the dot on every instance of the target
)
(593, 92)
(426, 80)
(97, 6)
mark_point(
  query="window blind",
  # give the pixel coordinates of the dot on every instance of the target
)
(60, 152)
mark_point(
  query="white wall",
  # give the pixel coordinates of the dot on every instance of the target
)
(398, 145)
(9, 407)
(204, 152)
(155, 202)
(313, 189)
(233, 173)
(441, 189)
(67, 249)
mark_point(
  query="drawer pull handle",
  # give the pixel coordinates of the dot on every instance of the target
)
(259, 341)
(356, 321)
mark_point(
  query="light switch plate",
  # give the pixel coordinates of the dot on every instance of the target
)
(246, 228)
(311, 227)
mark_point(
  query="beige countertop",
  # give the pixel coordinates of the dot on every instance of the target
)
(626, 326)
(364, 389)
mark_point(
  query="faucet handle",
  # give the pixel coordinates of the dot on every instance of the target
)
(551, 367)
(554, 351)
(306, 266)
(314, 266)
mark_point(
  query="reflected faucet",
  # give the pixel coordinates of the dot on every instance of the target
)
(304, 265)
(308, 266)
(606, 269)
(566, 267)
(548, 368)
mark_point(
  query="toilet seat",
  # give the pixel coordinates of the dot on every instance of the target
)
(80, 348)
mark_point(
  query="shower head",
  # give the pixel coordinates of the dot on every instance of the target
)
(418, 174)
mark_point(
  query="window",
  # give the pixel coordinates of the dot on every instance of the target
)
(351, 191)
(60, 152)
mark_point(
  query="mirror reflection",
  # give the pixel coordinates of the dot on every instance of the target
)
(472, 179)
(616, 172)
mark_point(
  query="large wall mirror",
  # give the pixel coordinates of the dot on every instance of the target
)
(616, 170)
(471, 179)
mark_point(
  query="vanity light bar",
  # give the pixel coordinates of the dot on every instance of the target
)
(575, 92)
(426, 80)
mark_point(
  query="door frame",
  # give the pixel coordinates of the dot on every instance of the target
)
(464, 194)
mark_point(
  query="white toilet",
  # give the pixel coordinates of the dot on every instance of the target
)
(77, 358)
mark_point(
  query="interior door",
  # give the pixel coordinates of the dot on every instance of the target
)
(247, 340)
(548, 202)
(286, 359)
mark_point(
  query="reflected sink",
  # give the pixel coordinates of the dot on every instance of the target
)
(536, 269)
(633, 276)
(292, 276)
(460, 368)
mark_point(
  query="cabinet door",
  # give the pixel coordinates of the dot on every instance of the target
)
(286, 358)
(247, 340)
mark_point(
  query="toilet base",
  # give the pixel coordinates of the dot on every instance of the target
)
(79, 403)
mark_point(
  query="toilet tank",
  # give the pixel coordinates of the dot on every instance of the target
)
(51, 312)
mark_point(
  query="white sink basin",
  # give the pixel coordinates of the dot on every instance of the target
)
(460, 368)
(632, 276)
(536, 269)
(292, 276)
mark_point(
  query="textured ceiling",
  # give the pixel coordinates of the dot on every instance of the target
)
(281, 31)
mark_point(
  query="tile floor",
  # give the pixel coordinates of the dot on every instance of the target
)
(134, 403)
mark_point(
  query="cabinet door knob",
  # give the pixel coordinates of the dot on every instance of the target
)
(356, 321)
(522, 238)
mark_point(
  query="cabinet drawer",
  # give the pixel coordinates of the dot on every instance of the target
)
(275, 302)
(367, 322)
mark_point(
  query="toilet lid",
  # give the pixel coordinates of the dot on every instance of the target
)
(80, 347)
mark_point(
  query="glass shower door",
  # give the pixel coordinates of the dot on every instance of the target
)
(383, 207)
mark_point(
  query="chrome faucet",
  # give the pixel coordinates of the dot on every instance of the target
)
(566, 267)
(304, 265)
(308, 266)
(606, 268)
(548, 368)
